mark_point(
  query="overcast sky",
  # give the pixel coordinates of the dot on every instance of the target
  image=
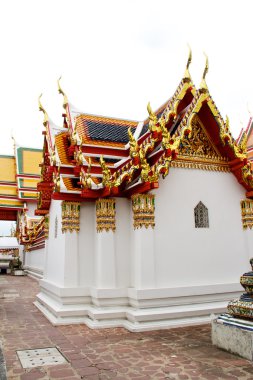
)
(115, 56)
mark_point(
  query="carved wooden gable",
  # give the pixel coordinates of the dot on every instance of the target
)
(197, 150)
(198, 144)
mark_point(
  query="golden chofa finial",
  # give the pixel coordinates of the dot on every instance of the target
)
(65, 99)
(187, 75)
(42, 109)
(203, 85)
(152, 115)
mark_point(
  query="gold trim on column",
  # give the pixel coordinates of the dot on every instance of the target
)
(70, 216)
(46, 226)
(247, 213)
(105, 213)
(143, 206)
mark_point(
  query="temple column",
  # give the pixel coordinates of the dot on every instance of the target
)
(105, 266)
(143, 260)
(247, 223)
(70, 227)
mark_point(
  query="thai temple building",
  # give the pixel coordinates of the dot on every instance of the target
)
(147, 224)
(143, 225)
(19, 175)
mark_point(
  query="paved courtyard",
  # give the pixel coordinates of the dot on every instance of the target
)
(183, 353)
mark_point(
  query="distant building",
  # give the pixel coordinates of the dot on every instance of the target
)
(19, 175)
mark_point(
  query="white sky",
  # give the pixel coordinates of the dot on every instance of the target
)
(115, 56)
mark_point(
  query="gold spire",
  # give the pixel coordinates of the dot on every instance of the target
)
(203, 85)
(187, 75)
(42, 109)
(65, 99)
(152, 115)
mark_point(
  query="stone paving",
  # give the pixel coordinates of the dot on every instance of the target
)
(176, 354)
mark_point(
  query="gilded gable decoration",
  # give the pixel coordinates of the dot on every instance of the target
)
(143, 206)
(196, 150)
(105, 214)
(70, 216)
(247, 213)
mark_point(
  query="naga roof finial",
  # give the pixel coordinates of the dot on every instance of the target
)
(152, 115)
(42, 109)
(187, 75)
(203, 85)
(65, 99)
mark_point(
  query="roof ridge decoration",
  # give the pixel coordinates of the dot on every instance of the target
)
(203, 85)
(85, 177)
(42, 109)
(65, 99)
(187, 75)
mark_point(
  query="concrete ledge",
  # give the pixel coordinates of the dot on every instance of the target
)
(233, 339)
(33, 272)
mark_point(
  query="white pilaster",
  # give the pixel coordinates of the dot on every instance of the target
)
(105, 266)
(71, 271)
(143, 258)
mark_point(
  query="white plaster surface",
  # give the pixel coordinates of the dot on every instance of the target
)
(142, 279)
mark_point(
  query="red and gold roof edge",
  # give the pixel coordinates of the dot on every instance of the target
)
(142, 168)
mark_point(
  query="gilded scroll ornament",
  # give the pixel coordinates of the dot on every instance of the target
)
(85, 178)
(134, 147)
(70, 216)
(46, 226)
(143, 206)
(247, 213)
(78, 155)
(106, 214)
(240, 150)
(57, 180)
(106, 180)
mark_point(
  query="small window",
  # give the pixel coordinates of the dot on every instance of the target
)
(201, 216)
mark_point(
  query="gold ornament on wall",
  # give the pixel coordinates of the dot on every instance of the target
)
(247, 213)
(105, 213)
(70, 216)
(143, 206)
(46, 226)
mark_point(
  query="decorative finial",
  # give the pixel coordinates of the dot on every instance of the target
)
(42, 109)
(65, 99)
(187, 75)
(152, 115)
(203, 85)
(227, 122)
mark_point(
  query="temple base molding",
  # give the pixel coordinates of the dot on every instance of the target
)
(133, 309)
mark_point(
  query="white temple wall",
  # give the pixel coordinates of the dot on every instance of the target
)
(34, 262)
(86, 248)
(189, 256)
(54, 261)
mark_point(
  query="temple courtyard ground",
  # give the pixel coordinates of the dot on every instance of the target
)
(176, 354)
